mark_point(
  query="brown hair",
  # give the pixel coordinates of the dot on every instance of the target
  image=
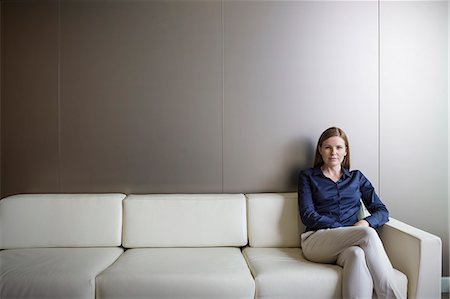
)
(331, 132)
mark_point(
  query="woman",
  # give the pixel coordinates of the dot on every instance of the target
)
(329, 200)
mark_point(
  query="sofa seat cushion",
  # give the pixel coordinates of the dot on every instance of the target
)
(177, 273)
(53, 272)
(285, 273)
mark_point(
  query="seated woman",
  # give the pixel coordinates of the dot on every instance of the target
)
(329, 201)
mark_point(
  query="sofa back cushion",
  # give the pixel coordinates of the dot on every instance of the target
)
(273, 220)
(60, 220)
(184, 220)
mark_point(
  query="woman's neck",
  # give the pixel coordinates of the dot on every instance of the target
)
(333, 173)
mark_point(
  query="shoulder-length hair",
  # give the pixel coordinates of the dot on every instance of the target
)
(331, 132)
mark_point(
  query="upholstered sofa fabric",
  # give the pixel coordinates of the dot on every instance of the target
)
(273, 220)
(80, 232)
(61, 220)
(285, 273)
(63, 273)
(185, 220)
(280, 271)
(416, 253)
(177, 273)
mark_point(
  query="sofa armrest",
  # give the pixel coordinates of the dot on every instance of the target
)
(417, 254)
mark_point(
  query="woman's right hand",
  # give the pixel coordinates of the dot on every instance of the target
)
(362, 222)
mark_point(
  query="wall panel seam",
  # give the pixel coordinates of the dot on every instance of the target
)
(223, 84)
(379, 94)
(1, 118)
(59, 91)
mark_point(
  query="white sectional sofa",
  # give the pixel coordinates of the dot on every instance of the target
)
(182, 246)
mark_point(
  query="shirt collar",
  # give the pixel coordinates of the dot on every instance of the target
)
(318, 171)
(346, 172)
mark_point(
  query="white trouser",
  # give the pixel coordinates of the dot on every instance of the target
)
(359, 250)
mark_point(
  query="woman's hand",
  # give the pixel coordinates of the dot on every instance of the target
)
(362, 222)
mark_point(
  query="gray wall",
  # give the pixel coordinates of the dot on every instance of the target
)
(225, 96)
(414, 114)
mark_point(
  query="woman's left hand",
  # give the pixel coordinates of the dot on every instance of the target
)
(362, 222)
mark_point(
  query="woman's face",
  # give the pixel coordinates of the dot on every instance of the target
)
(333, 151)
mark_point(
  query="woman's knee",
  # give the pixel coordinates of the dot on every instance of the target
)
(368, 235)
(356, 253)
(352, 255)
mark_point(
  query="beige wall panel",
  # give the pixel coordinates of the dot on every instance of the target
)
(0, 106)
(293, 69)
(29, 97)
(414, 131)
(141, 104)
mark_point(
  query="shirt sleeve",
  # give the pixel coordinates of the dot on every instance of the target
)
(379, 214)
(308, 214)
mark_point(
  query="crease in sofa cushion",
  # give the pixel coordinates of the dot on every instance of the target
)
(185, 220)
(61, 220)
(177, 273)
(67, 273)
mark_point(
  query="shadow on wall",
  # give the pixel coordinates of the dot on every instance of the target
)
(299, 155)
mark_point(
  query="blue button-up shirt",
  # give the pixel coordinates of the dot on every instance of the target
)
(327, 204)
